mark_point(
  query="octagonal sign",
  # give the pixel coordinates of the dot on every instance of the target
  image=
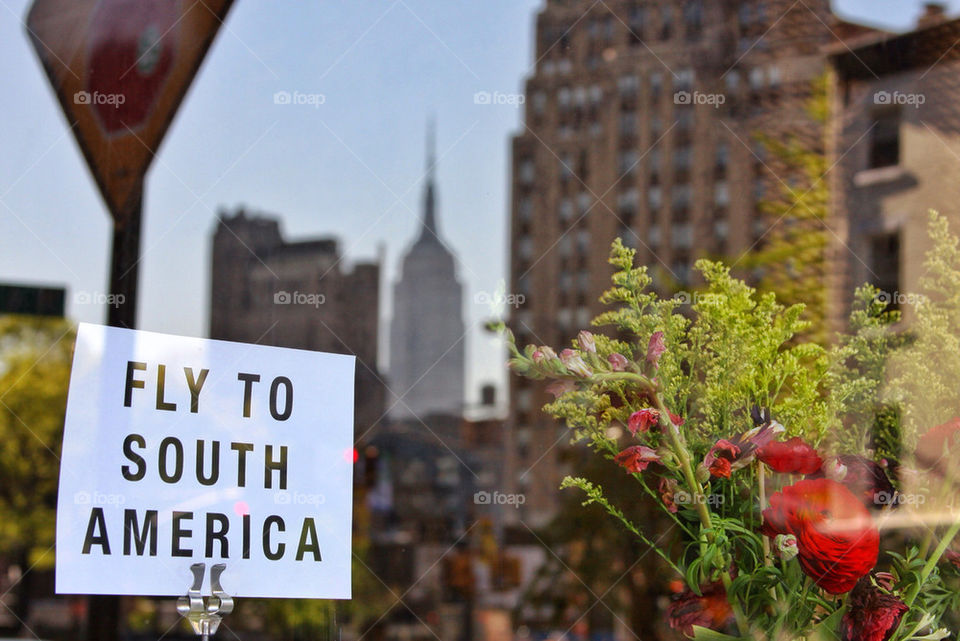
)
(120, 69)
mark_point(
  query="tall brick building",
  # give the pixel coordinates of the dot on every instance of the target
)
(267, 290)
(639, 122)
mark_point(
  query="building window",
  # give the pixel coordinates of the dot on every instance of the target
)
(666, 22)
(684, 80)
(693, 19)
(681, 159)
(653, 235)
(654, 197)
(638, 17)
(656, 85)
(628, 123)
(885, 264)
(563, 97)
(526, 171)
(628, 84)
(682, 236)
(525, 209)
(566, 209)
(628, 161)
(721, 194)
(885, 139)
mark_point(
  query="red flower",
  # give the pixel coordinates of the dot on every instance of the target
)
(711, 610)
(720, 458)
(668, 489)
(872, 615)
(953, 558)
(641, 421)
(837, 541)
(790, 457)
(938, 446)
(636, 458)
(676, 420)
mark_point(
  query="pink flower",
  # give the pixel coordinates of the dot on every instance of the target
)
(574, 362)
(559, 388)
(636, 458)
(586, 341)
(655, 349)
(642, 420)
(618, 362)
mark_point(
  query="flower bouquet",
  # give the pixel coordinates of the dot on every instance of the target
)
(809, 489)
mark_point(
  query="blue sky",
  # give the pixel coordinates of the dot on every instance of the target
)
(350, 168)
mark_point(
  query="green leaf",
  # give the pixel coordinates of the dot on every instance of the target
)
(703, 634)
(827, 629)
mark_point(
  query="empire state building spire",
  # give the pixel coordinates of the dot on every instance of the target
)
(428, 231)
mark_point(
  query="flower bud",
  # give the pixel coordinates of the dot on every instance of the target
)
(586, 341)
(655, 349)
(543, 353)
(574, 363)
(786, 544)
(618, 362)
(835, 470)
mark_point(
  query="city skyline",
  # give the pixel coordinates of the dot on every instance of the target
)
(234, 145)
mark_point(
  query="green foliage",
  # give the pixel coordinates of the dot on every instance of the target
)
(924, 373)
(35, 356)
(734, 349)
(792, 254)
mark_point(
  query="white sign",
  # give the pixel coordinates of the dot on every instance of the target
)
(184, 450)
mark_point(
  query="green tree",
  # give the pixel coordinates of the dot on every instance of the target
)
(35, 356)
(790, 258)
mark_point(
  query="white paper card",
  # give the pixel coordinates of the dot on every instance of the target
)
(184, 450)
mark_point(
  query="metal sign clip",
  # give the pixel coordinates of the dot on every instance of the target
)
(205, 618)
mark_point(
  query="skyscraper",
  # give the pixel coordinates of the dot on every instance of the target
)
(427, 332)
(640, 122)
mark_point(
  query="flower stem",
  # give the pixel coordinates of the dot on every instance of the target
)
(700, 503)
(932, 562)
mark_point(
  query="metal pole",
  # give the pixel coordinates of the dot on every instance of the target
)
(103, 611)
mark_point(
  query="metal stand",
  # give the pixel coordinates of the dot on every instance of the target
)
(205, 618)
